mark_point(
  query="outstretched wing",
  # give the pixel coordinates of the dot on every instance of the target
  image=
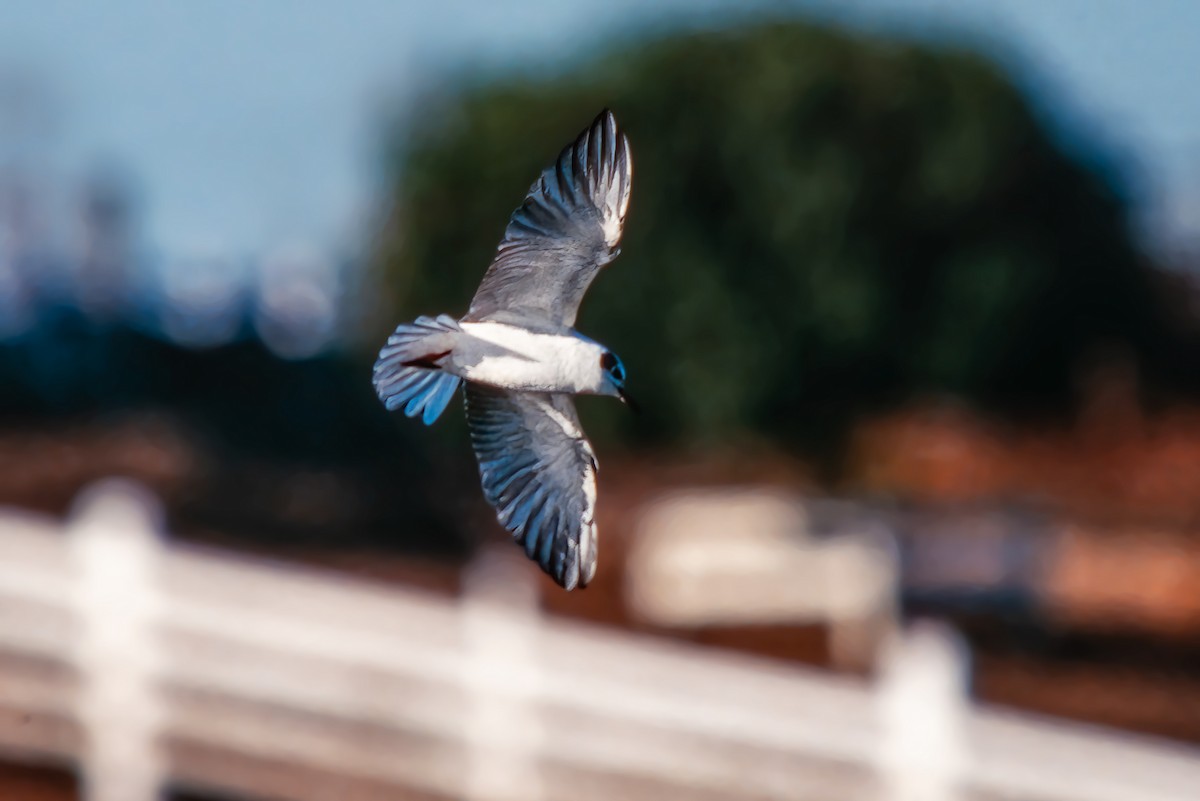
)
(539, 473)
(565, 231)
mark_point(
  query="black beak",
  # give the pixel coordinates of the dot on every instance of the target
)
(628, 401)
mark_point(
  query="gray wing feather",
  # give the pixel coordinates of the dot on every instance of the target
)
(567, 229)
(539, 473)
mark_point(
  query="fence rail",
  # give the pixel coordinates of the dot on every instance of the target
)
(148, 664)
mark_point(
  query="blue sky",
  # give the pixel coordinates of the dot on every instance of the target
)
(251, 124)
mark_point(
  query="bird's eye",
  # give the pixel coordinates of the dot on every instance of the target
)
(612, 365)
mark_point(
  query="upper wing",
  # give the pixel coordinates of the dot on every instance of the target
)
(539, 473)
(565, 231)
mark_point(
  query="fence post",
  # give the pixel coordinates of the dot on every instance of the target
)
(114, 541)
(922, 706)
(500, 619)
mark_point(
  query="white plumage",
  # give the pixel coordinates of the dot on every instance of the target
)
(512, 357)
(522, 361)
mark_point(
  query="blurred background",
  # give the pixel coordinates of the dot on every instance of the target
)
(909, 295)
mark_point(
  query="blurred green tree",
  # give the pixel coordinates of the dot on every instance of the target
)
(822, 225)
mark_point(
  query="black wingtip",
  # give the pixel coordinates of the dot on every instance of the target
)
(605, 118)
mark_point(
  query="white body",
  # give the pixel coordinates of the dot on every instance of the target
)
(518, 359)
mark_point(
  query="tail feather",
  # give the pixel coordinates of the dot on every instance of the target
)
(406, 374)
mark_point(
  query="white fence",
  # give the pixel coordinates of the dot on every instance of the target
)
(148, 665)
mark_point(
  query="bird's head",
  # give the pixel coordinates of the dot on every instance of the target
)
(613, 378)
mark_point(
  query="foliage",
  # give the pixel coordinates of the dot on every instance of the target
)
(821, 225)
(296, 452)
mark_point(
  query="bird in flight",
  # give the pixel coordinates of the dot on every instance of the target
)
(521, 360)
